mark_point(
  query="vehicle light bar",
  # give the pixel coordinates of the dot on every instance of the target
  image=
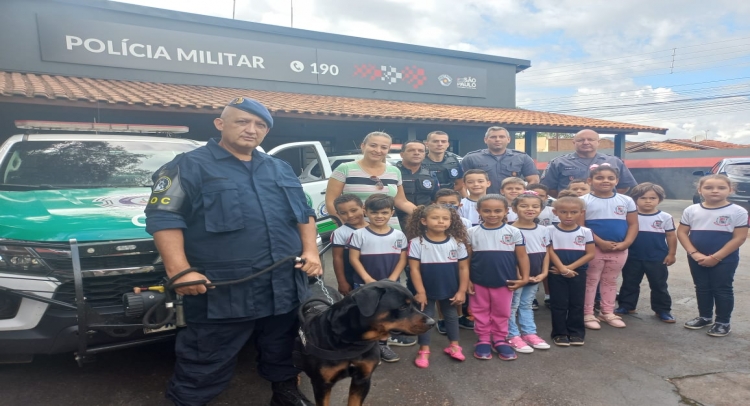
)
(99, 127)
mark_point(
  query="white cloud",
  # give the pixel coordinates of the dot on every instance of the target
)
(553, 34)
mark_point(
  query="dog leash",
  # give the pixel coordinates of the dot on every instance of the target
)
(319, 281)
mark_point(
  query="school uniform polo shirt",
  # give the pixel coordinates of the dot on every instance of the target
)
(512, 163)
(570, 245)
(711, 229)
(651, 242)
(493, 258)
(564, 168)
(438, 265)
(378, 253)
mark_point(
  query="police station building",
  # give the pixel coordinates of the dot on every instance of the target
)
(86, 61)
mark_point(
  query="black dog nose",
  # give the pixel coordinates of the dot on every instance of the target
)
(429, 321)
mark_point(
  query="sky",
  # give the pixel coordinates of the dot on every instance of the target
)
(681, 65)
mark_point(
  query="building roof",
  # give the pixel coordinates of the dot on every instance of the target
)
(86, 92)
(680, 145)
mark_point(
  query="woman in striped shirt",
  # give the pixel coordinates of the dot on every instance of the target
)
(369, 175)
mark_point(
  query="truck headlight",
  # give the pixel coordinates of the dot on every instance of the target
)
(15, 259)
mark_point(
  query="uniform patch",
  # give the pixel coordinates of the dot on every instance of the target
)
(507, 239)
(454, 172)
(514, 174)
(658, 225)
(398, 244)
(238, 100)
(580, 240)
(544, 241)
(722, 221)
(545, 222)
(427, 183)
(162, 184)
(620, 210)
(453, 255)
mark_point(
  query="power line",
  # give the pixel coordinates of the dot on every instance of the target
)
(645, 53)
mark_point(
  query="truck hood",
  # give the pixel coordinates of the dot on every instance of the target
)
(84, 214)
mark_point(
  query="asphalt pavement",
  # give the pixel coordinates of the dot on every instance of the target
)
(647, 363)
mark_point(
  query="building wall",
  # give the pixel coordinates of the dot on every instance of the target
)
(19, 37)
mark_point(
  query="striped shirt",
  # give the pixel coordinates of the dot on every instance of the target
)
(378, 253)
(357, 182)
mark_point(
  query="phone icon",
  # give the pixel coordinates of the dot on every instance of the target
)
(297, 66)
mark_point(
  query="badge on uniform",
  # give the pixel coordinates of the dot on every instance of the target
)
(514, 174)
(427, 184)
(238, 100)
(162, 184)
(454, 172)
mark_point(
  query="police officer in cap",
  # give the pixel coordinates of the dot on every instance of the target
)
(443, 163)
(419, 184)
(230, 210)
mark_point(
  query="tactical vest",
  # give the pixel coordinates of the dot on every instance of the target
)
(418, 187)
(446, 171)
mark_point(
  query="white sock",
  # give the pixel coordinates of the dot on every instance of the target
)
(546, 297)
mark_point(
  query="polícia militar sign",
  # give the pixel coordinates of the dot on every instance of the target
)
(100, 43)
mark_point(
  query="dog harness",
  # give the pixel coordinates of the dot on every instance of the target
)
(308, 340)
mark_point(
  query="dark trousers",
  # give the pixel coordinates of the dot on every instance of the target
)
(656, 273)
(566, 304)
(207, 354)
(713, 286)
(450, 315)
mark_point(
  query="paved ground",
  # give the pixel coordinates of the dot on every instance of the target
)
(647, 363)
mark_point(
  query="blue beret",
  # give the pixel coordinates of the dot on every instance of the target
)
(253, 107)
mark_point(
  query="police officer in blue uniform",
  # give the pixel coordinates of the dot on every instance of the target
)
(499, 161)
(419, 184)
(443, 163)
(230, 211)
(564, 168)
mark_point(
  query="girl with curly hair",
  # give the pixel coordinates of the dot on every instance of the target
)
(439, 267)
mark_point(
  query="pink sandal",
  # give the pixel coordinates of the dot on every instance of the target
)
(422, 361)
(455, 351)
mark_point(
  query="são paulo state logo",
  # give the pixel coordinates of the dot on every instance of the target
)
(427, 184)
(162, 184)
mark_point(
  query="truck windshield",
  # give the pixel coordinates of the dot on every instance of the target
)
(85, 164)
(738, 169)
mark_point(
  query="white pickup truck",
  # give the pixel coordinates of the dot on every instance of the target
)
(73, 239)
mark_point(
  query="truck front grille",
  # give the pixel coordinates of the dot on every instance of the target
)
(107, 290)
(106, 262)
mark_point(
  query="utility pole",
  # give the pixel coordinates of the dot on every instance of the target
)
(291, 4)
(234, 7)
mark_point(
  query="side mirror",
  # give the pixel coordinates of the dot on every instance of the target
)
(699, 173)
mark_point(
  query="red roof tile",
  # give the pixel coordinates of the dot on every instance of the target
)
(659, 146)
(121, 92)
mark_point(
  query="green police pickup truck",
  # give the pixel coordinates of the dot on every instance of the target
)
(73, 239)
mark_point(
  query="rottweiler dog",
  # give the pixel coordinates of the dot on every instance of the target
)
(341, 340)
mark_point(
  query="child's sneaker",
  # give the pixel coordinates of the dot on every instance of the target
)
(697, 323)
(578, 341)
(547, 303)
(483, 351)
(464, 322)
(387, 354)
(535, 305)
(561, 341)
(440, 326)
(535, 341)
(400, 340)
(719, 330)
(455, 352)
(666, 317)
(520, 345)
(504, 351)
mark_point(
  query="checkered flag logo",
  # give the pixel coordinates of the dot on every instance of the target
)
(391, 75)
(412, 75)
